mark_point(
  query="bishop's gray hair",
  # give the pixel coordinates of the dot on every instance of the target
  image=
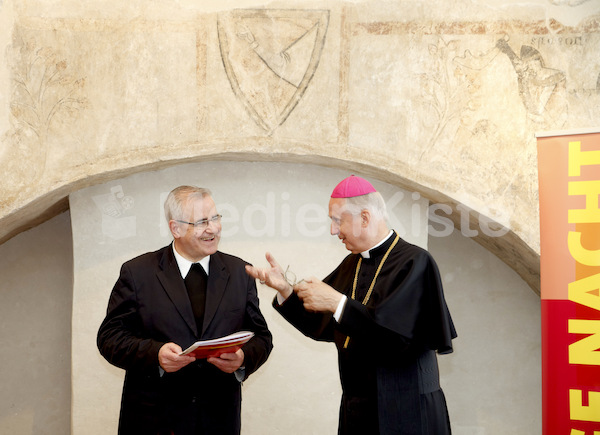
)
(371, 201)
(179, 196)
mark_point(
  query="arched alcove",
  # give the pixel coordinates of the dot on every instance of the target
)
(282, 207)
(503, 242)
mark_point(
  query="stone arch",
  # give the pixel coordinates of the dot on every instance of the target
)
(509, 247)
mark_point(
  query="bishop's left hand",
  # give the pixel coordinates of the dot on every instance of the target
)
(318, 296)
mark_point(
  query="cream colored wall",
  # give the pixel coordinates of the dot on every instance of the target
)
(441, 97)
(36, 295)
(493, 379)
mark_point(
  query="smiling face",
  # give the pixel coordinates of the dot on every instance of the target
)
(349, 227)
(195, 243)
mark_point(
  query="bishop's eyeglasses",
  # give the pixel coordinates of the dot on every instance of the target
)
(202, 223)
(290, 277)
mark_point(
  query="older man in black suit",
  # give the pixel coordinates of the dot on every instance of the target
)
(154, 311)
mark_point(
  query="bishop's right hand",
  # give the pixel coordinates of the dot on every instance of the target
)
(273, 276)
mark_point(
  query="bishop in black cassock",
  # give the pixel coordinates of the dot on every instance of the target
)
(384, 308)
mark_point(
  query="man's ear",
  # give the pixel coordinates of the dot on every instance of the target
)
(174, 229)
(365, 217)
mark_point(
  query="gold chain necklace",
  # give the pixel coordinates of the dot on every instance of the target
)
(368, 295)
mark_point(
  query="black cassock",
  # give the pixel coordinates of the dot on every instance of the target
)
(386, 348)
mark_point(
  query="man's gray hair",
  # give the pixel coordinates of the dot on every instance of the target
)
(371, 201)
(178, 197)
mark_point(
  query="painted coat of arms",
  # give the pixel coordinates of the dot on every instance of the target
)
(270, 57)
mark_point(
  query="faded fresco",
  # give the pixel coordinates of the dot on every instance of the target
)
(47, 97)
(270, 57)
(462, 99)
(450, 108)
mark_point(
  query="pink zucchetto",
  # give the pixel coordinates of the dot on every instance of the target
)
(352, 186)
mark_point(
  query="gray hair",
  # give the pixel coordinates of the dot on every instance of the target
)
(371, 201)
(179, 196)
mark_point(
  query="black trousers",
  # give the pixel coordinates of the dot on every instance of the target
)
(199, 400)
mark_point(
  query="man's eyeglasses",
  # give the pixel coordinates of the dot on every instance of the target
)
(202, 223)
(290, 277)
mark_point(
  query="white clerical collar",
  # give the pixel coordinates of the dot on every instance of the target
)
(367, 253)
(185, 264)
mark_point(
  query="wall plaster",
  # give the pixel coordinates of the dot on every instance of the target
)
(440, 98)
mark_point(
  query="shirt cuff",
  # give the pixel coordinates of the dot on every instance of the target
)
(240, 374)
(280, 299)
(340, 309)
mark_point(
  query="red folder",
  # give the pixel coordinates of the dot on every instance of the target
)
(216, 346)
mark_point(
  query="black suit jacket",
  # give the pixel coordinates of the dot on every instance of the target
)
(149, 307)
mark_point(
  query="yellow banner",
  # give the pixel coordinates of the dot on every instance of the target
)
(569, 188)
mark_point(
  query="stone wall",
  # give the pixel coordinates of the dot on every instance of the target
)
(440, 97)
